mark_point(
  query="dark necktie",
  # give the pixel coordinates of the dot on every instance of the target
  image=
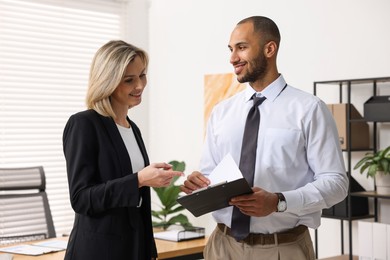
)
(241, 222)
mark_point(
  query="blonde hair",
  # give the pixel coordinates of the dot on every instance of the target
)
(107, 70)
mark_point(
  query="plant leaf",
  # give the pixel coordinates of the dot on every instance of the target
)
(177, 208)
(180, 219)
(361, 162)
(372, 170)
(168, 198)
(160, 192)
(162, 224)
(364, 167)
(374, 162)
(178, 166)
(156, 214)
(384, 164)
(386, 152)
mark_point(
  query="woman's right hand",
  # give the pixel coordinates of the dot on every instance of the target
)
(157, 175)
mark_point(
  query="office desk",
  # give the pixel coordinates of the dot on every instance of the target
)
(191, 249)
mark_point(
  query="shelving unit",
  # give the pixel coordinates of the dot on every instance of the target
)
(348, 84)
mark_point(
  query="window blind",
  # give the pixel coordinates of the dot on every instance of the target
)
(46, 47)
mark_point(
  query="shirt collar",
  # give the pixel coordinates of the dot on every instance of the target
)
(271, 92)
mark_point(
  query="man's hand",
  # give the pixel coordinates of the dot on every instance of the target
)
(258, 204)
(195, 180)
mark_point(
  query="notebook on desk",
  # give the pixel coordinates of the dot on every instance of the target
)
(178, 235)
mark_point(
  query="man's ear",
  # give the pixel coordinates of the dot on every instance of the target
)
(270, 49)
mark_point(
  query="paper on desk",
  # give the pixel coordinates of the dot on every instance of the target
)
(226, 170)
(28, 250)
(59, 244)
(38, 248)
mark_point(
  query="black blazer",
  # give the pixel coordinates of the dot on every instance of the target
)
(104, 192)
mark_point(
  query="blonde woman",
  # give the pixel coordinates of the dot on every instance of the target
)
(108, 168)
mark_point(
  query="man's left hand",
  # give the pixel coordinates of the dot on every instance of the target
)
(258, 204)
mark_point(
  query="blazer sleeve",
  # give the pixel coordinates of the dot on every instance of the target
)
(96, 181)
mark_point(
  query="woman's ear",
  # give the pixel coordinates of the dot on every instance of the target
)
(270, 49)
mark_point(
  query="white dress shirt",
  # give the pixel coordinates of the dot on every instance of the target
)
(298, 153)
(132, 147)
(137, 160)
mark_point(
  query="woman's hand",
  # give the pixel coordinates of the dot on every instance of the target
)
(157, 175)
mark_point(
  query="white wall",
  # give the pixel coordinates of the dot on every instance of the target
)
(137, 33)
(321, 40)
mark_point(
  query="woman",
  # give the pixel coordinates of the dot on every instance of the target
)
(107, 164)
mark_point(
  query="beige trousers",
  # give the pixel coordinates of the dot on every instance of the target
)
(224, 247)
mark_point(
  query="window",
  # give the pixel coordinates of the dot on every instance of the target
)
(46, 47)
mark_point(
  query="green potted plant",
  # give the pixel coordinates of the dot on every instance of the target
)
(375, 162)
(167, 215)
(377, 165)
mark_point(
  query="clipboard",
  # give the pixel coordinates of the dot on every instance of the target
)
(214, 197)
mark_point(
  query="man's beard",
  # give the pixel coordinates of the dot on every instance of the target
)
(259, 65)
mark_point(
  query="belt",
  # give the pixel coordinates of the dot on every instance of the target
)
(287, 236)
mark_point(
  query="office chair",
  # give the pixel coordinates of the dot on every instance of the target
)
(24, 208)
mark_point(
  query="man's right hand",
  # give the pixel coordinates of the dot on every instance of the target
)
(195, 180)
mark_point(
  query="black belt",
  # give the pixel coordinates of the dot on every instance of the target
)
(287, 236)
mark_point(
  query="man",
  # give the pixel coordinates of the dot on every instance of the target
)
(298, 164)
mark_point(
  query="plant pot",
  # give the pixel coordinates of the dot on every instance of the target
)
(382, 183)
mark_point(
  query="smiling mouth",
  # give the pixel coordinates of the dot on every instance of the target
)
(238, 68)
(136, 95)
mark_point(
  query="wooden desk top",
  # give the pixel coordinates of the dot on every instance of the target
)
(165, 249)
(168, 249)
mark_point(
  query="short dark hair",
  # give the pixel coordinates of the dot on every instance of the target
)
(264, 26)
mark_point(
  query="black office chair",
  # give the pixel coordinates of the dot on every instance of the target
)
(24, 208)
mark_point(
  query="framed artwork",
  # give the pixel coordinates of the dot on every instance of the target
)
(218, 87)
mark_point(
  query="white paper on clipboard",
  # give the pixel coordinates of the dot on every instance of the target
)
(226, 171)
